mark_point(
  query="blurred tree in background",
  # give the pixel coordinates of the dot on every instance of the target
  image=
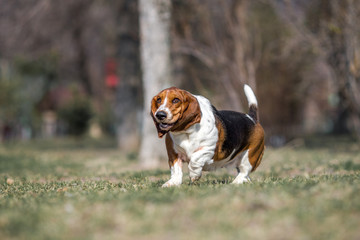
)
(301, 57)
(340, 36)
(155, 22)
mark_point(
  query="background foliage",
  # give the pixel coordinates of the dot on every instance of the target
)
(301, 57)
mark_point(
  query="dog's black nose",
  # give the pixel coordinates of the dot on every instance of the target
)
(161, 115)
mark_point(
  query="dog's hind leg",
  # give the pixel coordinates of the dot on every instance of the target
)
(252, 157)
(244, 168)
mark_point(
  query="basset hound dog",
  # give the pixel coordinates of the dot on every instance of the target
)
(206, 138)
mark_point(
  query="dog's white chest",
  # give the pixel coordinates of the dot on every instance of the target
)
(185, 143)
(201, 138)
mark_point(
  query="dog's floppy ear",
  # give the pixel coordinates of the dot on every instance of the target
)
(191, 113)
(161, 133)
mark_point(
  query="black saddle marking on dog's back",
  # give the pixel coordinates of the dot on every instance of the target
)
(237, 128)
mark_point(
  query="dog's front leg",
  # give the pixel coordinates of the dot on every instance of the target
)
(197, 162)
(175, 164)
(176, 174)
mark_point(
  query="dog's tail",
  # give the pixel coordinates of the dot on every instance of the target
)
(253, 105)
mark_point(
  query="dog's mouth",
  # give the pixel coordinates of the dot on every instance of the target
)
(165, 126)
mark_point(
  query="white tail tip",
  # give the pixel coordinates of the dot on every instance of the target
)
(250, 95)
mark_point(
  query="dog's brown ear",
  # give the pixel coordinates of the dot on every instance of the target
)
(191, 113)
(161, 133)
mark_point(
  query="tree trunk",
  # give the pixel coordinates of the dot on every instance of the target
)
(352, 43)
(344, 58)
(155, 17)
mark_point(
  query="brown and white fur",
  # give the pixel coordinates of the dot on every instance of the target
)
(207, 139)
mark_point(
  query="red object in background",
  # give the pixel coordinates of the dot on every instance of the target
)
(111, 79)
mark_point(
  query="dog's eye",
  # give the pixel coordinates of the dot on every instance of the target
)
(175, 100)
(158, 100)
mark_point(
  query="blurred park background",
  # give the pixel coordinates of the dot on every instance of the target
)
(90, 67)
(76, 81)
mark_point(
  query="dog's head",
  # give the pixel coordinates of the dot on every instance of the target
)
(174, 109)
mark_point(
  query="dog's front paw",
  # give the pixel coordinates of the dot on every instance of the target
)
(194, 176)
(241, 180)
(194, 179)
(171, 183)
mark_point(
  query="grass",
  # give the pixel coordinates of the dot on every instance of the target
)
(68, 189)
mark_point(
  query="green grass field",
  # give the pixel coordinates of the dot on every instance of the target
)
(66, 189)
